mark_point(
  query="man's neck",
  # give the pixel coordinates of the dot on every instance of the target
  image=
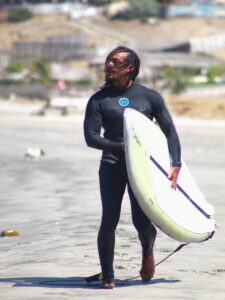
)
(119, 86)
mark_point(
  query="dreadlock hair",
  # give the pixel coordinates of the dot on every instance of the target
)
(132, 59)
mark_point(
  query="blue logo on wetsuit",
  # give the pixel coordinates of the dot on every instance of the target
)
(124, 101)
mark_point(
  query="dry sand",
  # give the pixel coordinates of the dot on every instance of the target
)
(54, 203)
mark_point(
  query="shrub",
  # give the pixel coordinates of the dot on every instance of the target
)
(15, 67)
(83, 82)
(11, 82)
(141, 9)
(19, 15)
(99, 2)
(144, 8)
(41, 71)
(215, 71)
(175, 80)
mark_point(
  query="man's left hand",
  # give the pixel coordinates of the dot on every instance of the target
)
(173, 175)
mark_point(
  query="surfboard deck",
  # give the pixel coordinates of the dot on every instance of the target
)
(183, 214)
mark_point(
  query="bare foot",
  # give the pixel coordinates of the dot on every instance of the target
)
(148, 268)
(107, 284)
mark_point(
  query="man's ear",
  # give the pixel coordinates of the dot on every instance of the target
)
(131, 68)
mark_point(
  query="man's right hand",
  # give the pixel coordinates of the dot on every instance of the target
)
(173, 176)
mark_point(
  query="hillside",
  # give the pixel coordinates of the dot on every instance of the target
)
(100, 30)
(163, 30)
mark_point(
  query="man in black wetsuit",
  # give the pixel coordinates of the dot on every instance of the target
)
(105, 110)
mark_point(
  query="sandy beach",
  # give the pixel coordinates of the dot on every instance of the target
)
(53, 202)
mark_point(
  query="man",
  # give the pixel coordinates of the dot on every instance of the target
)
(105, 110)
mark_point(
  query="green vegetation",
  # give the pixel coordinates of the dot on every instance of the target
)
(83, 82)
(40, 71)
(36, 72)
(19, 15)
(215, 71)
(144, 9)
(140, 9)
(11, 82)
(176, 80)
(98, 2)
(15, 67)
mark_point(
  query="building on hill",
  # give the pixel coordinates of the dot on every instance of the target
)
(54, 48)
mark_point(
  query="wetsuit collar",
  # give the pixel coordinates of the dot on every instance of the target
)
(116, 91)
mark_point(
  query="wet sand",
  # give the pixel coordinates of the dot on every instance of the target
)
(54, 203)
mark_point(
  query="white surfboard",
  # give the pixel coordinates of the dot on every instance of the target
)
(183, 214)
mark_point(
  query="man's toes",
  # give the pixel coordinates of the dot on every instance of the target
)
(146, 276)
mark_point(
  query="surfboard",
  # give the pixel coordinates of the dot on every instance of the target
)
(182, 213)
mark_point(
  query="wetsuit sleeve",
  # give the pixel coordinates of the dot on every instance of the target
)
(92, 129)
(164, 119)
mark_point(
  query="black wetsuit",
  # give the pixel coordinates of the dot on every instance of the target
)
(105, 109)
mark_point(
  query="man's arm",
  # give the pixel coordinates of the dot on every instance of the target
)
(92, 129)
(164, 119)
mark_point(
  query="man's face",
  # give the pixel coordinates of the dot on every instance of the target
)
(116, 67)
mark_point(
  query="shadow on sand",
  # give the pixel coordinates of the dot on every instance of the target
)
(76, 282)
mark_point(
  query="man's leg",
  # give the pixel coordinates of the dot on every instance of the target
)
(147, 234)
(112, 187)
